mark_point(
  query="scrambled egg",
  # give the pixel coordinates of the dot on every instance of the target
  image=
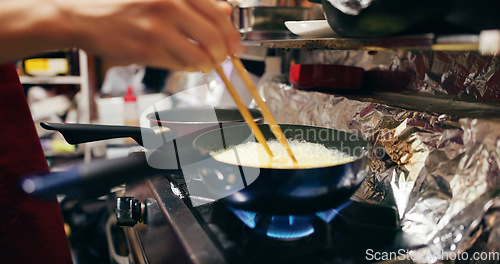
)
(308, 155)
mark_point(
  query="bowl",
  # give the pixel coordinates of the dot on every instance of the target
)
(311, 28)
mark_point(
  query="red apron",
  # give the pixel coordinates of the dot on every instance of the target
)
(31, 230)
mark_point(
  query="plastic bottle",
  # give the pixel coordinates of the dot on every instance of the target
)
(131, 111)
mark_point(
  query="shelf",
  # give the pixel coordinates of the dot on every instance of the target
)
(81, 80)
(488, 43)
(439, 104)
(50, 79)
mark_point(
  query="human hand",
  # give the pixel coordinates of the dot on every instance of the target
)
(175, 34)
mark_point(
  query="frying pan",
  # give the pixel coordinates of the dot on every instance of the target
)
(285, 191)
(265, 190)
(184, 122)
(89, 180)
(196, 120)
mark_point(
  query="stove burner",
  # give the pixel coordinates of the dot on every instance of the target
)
(287, 227)
(329, 215)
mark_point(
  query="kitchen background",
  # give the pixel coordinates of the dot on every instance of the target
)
(430, 104)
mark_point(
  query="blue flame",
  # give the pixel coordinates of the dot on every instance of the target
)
(281, 226)
(329, 215)
(246, 217)
(289, 227)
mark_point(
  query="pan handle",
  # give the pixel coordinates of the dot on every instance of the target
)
(92, 179)
(84, 133)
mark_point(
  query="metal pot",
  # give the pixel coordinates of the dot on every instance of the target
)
(267, 22)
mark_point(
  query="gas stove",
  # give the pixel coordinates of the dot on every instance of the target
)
(171, 230)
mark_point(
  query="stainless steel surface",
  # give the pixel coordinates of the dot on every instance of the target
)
(252, 50)
(115, 257)
(171, 233)
(258, 23)
(358, 226)
(410, 42)
(136, 254)
(486, 43)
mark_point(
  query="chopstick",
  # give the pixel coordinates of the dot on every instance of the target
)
(244, 111)
(275, 128)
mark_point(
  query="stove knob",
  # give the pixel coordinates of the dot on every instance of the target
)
(129, 211)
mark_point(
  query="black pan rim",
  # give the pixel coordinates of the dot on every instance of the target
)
(255, 112)
(359, 158)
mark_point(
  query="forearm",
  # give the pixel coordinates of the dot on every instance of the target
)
(29, 27)
(175, 34)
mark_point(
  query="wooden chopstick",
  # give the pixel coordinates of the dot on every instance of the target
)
(275, 128)
(244, 111)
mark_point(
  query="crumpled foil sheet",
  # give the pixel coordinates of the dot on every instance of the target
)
(440, 173)
(466, 75)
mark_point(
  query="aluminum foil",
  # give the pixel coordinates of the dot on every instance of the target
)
(464, 75)
(441, 173)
